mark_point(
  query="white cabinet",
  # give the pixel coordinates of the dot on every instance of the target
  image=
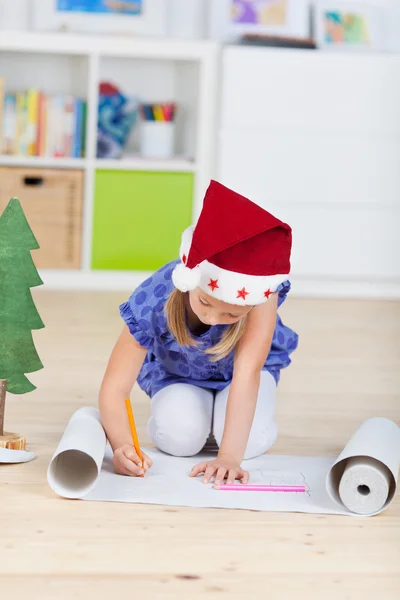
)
(315, 138)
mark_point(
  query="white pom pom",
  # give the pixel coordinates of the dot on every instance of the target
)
(185, 279)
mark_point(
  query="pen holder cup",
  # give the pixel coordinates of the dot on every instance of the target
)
(157, 139)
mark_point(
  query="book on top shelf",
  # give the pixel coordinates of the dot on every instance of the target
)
(34, 123)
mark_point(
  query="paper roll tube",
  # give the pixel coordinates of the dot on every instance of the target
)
(376, 446)
(76, 464)
(364, 486)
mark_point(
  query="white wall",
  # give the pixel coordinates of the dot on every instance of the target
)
(14, 14)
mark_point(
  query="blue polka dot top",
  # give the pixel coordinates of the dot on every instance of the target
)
(167, 362)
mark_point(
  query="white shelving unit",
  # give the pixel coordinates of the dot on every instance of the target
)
(43, 162)
(185, 71)
(124, 164)
(133, 164)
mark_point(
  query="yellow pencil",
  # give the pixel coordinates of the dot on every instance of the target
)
(158, 113)
(133, 430)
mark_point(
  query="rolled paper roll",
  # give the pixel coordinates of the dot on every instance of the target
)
(76, 464)
(364, 486)
(363, 479)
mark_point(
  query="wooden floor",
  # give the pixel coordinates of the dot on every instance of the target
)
(345, 370)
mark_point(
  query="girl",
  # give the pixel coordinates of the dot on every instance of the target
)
(203, 339)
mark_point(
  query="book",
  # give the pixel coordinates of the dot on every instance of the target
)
(32, 121)
(9, 122)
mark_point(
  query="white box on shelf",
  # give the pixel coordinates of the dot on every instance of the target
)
(157, 139)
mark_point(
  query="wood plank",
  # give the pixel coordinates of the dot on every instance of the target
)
(214, 586)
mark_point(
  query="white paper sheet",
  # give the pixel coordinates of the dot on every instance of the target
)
(82, 468)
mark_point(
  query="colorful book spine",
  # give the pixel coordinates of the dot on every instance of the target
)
(9, 124)
(42, 124)
(69, 126)
(22, 121)
(49, 133)
(58, 125)
(32, 125)
(83, 131)
(77, 147)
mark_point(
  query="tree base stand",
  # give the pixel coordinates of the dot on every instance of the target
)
(12, 441)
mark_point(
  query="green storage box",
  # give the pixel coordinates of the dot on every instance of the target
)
(139, 218)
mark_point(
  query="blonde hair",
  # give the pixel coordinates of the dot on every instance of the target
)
(176, 317)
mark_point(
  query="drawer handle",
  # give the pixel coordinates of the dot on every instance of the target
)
(33, 181)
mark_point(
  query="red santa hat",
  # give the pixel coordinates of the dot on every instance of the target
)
(237, 252)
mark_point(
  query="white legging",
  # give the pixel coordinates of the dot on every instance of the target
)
(184, 416)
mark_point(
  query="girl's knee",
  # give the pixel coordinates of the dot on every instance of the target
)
(261, 440)
(181, 419)
(178, 439)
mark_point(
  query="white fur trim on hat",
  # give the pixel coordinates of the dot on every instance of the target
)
(237, 288)
(185, 279)
(227, 286)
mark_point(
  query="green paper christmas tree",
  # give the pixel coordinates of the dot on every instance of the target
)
(18, 314)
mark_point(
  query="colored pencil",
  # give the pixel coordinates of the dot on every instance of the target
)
(158, 113)
(261, 488)
(166, 112)
(133, 430)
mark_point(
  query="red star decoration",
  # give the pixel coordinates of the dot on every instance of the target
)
(268, 293)
(242, 293)
(213, 284)
(184, 259)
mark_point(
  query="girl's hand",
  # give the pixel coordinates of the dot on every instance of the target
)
(127, 462)
(222, 467)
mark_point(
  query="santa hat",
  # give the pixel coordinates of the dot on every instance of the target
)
(238, 252)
